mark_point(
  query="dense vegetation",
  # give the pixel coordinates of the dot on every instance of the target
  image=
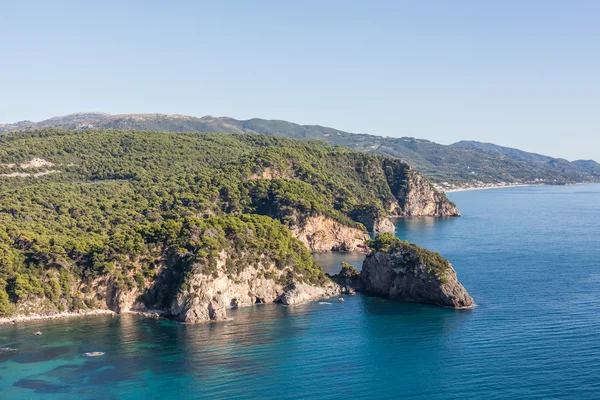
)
(411, 255)
(115, 197)
(193, 245)
(461, 163)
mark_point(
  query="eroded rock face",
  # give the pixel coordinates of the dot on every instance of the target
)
(375, 224)
(421, 198)
(207, 297)
(120, 299)
(322, 234)
(383, 225)
(348, 279)
(404, 275)
(298, 293)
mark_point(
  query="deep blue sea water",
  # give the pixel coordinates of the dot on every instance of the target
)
(530, 257)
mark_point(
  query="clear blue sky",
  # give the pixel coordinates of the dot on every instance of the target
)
(517, 73)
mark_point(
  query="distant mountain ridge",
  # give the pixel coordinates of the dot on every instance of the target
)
(462, 164)
(590, 166)
(507, 151)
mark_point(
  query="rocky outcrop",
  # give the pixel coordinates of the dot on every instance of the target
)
(383, 225)
(370, 218)
(399, 270)
(121, 299)
(298, 293)
(322, 234)
(207, 297)
(199, 297)
(270, 173)
(420, 198)
(348, 279)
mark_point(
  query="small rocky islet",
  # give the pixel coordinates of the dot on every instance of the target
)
(396, 269)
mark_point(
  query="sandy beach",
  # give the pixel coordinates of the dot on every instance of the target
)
(466, 188)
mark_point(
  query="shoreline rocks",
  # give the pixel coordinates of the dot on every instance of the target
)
(398, 270)
(403, 271)
(205, 297)
(298, 293)
(348, 279)
(393, 269)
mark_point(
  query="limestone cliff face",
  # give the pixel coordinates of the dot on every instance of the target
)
(120, 299)
(297, 293)
(407, 272)
(373, 222)
(205, 297)
(383, 225)
(420, 198)
(202, 297)
(322, 234)
(199, 297)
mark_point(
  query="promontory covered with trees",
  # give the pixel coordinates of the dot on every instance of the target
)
(186, 223)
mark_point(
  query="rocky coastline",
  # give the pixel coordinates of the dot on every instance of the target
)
(393, 269)
(321, 234)
(239, 277)
(397, 270)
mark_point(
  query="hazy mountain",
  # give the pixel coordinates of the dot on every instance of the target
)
(462, 163)
(507, 151)
(589, 166)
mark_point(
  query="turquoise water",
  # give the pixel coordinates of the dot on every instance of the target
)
(529, 256)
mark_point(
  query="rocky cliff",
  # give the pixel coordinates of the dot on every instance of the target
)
(420, 198)
(214, 265)
(194, 271)
(204, 297)
(322, 206)
(348, 279)
(376, 220)
(399, 270)
(322, 234)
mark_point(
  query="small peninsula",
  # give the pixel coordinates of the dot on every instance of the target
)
(187, 225)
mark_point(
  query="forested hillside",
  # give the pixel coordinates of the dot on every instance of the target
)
(464, 163)
(112, 205)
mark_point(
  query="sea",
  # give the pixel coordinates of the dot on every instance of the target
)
(529, 256)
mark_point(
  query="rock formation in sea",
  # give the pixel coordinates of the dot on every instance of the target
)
(348, 279)
(396, 269)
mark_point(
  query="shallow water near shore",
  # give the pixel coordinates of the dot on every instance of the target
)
(529, 256)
